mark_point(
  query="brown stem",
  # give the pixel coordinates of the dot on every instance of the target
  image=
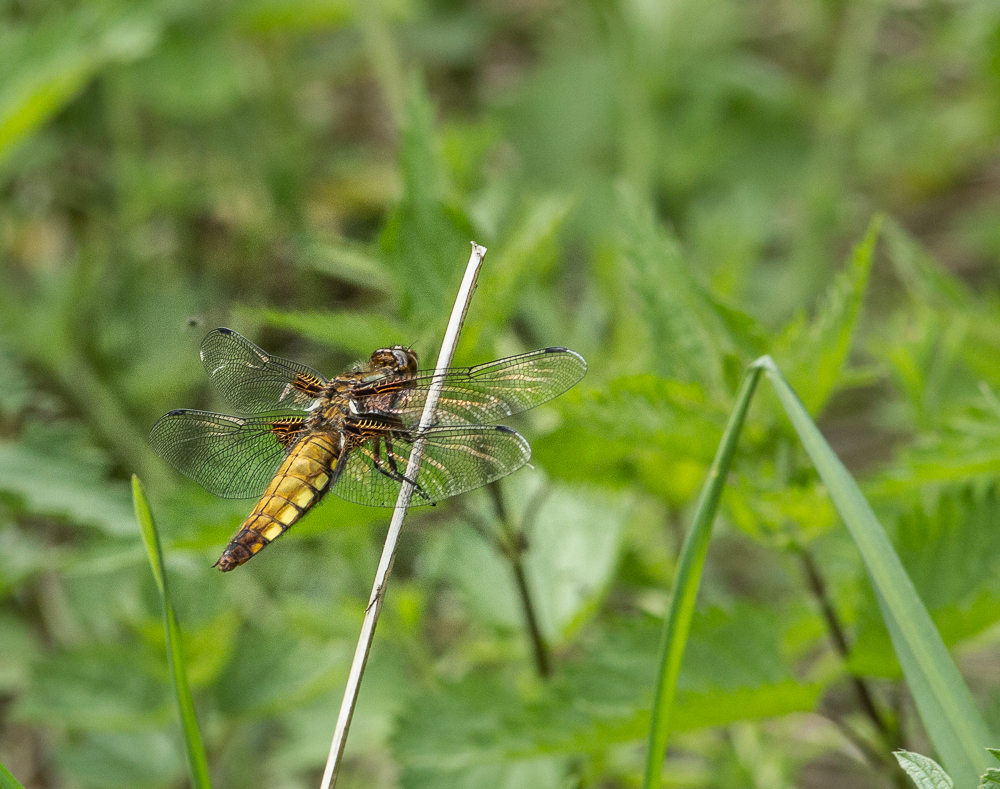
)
(874, 758)
(839, 638)
(514, 547)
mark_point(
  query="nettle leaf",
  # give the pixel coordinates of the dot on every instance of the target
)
(122, 759)
(272, 671)
(953, 558)
(518, 263)
(925, 355)
(695, 338)
(386, 689)
(425, 235)
(925, 772)
(573, 535)
(573, 543)
(661, 430)
(966, 451)
(542, 773)
(734, 671)
(55, 472)
(15, 386)
(19, 648)
(949, 331)
(991, 778)
(814, 355)
(924, 278)
(88, 689)
(759, 507)
(348, 262)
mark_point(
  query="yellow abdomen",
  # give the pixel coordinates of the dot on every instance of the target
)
(299, 482)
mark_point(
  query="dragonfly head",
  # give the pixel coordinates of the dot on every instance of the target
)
(396, 359)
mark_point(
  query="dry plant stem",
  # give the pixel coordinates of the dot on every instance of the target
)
(865, 698)
(392, 538)
(515, 552)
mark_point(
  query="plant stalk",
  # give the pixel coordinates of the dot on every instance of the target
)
(367, 634)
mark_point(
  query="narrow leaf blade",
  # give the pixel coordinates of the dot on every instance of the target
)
(193, 745)
(8, 781)
(685, 588)
(944, 701)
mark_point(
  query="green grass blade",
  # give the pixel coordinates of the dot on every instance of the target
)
(8, 781)
(197, 763)
(686, 582)
(943, 700)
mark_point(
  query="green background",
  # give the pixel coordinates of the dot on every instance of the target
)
(669, 188)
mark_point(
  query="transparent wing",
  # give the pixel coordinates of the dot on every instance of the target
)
(228, 456)
(475, 395)
(456, 460)
(253, 381)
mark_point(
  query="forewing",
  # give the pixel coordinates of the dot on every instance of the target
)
(228, 456)
(484, 393)
(455, 460)
(253, 381)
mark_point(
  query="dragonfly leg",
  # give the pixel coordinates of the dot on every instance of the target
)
(388, 466)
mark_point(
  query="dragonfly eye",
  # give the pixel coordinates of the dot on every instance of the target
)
(406, 360)
(397, 359)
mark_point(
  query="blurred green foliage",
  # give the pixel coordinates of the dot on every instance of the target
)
(670, 188)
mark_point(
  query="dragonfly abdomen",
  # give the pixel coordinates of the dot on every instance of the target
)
(300, 481)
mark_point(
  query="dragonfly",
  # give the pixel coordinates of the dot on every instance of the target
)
(300, 435)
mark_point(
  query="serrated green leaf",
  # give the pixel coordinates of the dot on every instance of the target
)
(596, 438)
(349, 263)
(272, 671)
(920, 273)
(422, 240)
(523, 257)
(600, 700)
(573, 549)
(86, 688)
(925, 772)
(573, 536)
(59, 485)
(692, 333)
(542, 773)
(816, 354)
(951, 554)
(122, 759)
